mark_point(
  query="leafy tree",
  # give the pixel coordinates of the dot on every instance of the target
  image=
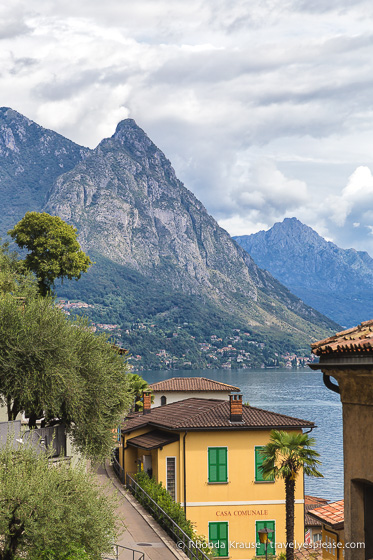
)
(57, 513)
(13, 278)
(54, 249)
(36, 361)
(56, 368)
(103, 394)
(285, 456)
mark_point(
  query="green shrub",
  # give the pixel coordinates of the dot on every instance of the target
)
(173, 509)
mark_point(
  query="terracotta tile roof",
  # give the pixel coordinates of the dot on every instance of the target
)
(331, 514)
(191, 384)
(358, 339)
(202, 414)
(311, 502)
(153, 440)
(308, 553)
(314, 501)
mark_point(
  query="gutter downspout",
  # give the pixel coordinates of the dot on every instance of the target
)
(329, 384)
(336, 535)
(184, 466)
(304, 501)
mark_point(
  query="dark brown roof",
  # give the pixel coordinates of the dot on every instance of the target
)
(203, 414)
(153, 440)
(191, 384)
(314, 501)
(331, 514)
(358, 339)
(311, 502)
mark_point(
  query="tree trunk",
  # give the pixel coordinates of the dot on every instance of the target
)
(12, 537)
(289, 505)
(32, 419)
(12, 408)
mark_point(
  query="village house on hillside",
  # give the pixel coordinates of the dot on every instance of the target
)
(207, 453)
(179, 388)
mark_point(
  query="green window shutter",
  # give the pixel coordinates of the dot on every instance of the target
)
(222, 465)
(213, 532)
(261, 550)
(258, 462)
(218, 537)
(217, 462)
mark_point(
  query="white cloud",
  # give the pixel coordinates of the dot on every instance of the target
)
(357, 194)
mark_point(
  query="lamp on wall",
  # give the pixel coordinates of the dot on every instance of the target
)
(264, 537)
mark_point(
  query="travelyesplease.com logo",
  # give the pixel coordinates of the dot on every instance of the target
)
(220, 545)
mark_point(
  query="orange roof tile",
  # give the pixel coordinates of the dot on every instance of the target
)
(331, 514)
(191, 384)
(357, 339)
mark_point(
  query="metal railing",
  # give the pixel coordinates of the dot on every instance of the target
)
(128, 553)
(119, 471)
(184, 542)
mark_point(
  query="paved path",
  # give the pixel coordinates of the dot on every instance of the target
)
(142, 532)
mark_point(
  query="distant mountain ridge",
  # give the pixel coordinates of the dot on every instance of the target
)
(132, 211)
(337, 282)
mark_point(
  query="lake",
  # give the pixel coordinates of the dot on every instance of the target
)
(295, 392)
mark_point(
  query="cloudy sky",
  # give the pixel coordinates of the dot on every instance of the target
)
(264, 107)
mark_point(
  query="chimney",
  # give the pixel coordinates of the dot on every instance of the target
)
(235, 401)
(147, 401)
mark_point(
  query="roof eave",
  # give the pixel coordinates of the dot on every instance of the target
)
(337, 526)
(214, 428)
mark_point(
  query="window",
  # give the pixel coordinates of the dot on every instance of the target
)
(258, 462)
(261, 548)
(316, 537)
(171, 476)
(218, 464)
(163, 400)
(218, 537)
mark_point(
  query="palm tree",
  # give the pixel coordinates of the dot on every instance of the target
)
(137, 387)
(284, 457)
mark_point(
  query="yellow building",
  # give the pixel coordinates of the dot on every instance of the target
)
(331, 517)
(206, 452)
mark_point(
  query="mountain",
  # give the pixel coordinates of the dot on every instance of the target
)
(31, 158)
(337, 282)
(159, 256)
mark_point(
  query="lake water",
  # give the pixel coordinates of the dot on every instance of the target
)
(300, 393)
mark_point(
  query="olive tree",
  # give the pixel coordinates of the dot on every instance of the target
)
(53, 367)
(47, 511)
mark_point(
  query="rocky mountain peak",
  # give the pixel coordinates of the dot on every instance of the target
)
(129, 134)
(294, 228)
(131, 143)
(318, 271)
